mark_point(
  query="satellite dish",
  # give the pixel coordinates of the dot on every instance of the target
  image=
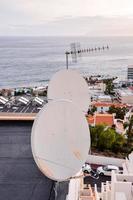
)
(60, 140)
(69, 85)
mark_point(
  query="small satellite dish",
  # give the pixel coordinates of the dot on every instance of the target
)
(60, 140)
(69, 85)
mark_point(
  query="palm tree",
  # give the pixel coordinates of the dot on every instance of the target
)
(130, 134)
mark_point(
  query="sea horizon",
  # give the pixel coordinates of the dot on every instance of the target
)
(32, 60)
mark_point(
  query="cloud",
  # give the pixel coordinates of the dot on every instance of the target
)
(86, 26)
(66, 17)
(38, 10)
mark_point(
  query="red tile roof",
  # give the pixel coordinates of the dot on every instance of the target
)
(107, 119)
(102, 104)
(90, 119)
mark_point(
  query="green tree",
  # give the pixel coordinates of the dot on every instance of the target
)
(119, 143)
(120, 112)
(95, 134)
(130, 134)
(92, 110)
(106, 139)
(109, 86)
(126, 124)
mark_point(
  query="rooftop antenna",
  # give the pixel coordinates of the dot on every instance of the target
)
(76, 51)
(75, 47)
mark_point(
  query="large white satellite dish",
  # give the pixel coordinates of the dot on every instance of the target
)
(69, 85)
(60, 140)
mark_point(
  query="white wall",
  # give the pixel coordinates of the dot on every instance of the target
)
(74, 187)
(104, 109)
(119, 185)
(125, 188)
(102, 160)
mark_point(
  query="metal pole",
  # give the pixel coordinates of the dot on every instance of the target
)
(67, 53)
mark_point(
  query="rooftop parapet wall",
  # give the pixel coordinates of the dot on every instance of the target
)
(102, 160)
(17, 116)
(128, 164)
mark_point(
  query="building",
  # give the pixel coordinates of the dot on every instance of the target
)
(104, 98)
(119, 126)
(107, 120)
(130, 72)
(104, 106)
(99, 119)
(117, 83)
(121, 186)
(125, 96)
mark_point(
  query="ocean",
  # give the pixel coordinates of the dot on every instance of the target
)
(32, 61)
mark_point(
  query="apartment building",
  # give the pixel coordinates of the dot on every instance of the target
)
(130, 72)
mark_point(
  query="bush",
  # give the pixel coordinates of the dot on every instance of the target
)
(95, 134)
(106, 139)
(119, 143)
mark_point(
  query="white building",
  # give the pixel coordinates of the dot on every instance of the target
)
(121, 185)
(104, 98)
(104, 106)
(117, 83)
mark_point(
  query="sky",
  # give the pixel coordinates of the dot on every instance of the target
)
(66, 17)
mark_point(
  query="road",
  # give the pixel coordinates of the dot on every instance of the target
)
(92, 181)
(20, 179)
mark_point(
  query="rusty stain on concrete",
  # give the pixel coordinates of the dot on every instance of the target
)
(77, 154)
(44, 168)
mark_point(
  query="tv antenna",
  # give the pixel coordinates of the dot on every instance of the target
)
(76, 51)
